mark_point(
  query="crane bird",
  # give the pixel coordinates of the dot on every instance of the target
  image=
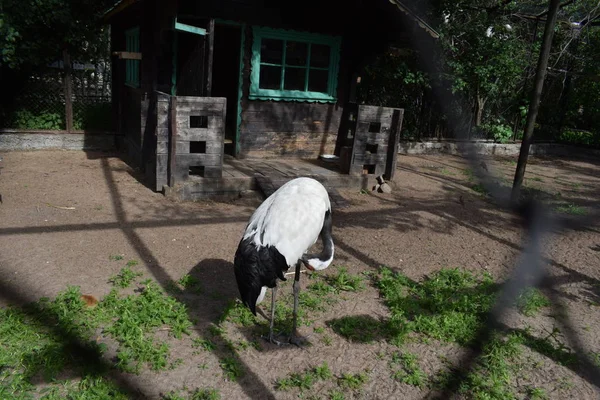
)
(278, 236)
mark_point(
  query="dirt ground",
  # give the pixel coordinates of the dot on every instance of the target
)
(432, 219)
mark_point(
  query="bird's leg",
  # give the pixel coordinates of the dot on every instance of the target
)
(295, 337)
(270, 337)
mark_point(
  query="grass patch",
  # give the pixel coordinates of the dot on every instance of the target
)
(232, 368)
(530, 301)
(360, 329)
(344, 281)
(353, 381)
(304, 380)
(43, 339)
(126, 277)
(571, 209)
(479, 188)
(409, 372)
(204, 344)
(198, 394)
(65, 335)
(451, 306)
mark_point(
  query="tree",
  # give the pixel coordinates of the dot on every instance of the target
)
(486, 52)
(35, 32)
(536, 95)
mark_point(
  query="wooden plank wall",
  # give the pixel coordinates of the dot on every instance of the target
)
(275, 129)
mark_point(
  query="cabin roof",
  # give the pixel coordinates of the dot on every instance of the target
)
(121, 5)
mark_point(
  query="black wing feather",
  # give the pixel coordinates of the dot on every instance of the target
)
(256, 267)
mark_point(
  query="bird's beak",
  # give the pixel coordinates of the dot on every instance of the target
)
(307, 265)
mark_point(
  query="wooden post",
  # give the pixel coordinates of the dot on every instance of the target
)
(209, 56)
(536, 96)
(68, 91)
(392, 154)
(172, 140)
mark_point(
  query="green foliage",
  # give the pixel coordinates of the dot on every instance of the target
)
(530, 301)
(35, 33)
(572, 136)
(571, 209)
(361, 329)
(409, 372)
(499, 132)
(304, 380)
(24, 119)
(448, 306)
(344, 281)
(353, 381)
(232, 368)
(124, 278)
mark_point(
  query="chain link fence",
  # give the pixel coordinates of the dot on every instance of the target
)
(41, 102)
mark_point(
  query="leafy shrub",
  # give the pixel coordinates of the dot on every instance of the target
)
(500, 132)
(24, 119)
(573, 136)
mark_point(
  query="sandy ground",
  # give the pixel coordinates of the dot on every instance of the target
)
(433, 219)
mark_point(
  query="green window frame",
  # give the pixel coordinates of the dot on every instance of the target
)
(132, 67)
(296, 77)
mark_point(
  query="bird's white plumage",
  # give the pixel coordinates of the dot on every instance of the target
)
(291, 218)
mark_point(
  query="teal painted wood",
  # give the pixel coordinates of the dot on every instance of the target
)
(238, 145)
(189, 28)
(256, 93)
(132, 67)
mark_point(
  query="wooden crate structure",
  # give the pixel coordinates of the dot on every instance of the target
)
(190, 138)
(375, 131)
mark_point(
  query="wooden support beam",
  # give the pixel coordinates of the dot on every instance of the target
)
(172, 140)
(392, 155)
(127, 55)
(209, 57)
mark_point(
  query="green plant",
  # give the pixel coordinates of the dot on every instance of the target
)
(410, 372)
(530, 301)
(232, 369)
(353, 381)
(500, 132)
(206, 394)
(124, 278)
(537, 393)
(46, 120)
(344, 281)
(571, 209)
(361, 329)
(304, 380)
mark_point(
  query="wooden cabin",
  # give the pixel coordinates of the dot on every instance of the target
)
(197, 82)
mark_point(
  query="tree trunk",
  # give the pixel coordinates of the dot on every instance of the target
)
(480, 103)
(536, 95)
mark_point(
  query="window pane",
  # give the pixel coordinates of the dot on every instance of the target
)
(318, 80)
(319, 55)
(271, 51)
(294, 78)
(296, 53)
(270, 77)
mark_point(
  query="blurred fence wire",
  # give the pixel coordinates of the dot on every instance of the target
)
(538, 221)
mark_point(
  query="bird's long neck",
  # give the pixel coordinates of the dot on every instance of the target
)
(323, 260)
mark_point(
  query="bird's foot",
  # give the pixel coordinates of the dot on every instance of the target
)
(271, 339)
(298, 340)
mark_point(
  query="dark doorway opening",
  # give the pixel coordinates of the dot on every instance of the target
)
(225, 77)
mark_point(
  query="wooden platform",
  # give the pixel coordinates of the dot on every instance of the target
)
(266, 176)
